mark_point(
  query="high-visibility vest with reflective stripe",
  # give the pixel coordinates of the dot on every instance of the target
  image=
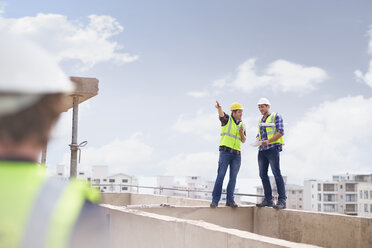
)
(230, 135)
(270, 130)
(37, 211)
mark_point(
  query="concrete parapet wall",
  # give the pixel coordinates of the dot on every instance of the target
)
(239, 218)
(322, 229)
(134, 228)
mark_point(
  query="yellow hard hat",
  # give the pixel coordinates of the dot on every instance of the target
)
(236, 106)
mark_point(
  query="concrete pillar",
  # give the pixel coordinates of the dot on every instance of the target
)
(74, 146)
(43, 155)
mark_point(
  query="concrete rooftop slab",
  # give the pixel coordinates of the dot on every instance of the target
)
(86, 88)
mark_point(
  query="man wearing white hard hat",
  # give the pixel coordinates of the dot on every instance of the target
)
(35, 210)
(270, 138)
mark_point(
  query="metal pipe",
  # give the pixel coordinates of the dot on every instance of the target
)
(74, 146)
(43, 155)
(162, 188)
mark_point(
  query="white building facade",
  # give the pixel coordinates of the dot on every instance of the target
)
(340, 195)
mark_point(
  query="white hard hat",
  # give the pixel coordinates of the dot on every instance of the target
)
(26, 73)
(263, 101)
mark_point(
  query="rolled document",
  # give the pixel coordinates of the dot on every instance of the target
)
(267, 124)
(256, 143)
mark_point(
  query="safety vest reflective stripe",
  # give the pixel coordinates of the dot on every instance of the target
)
(272, 120)
(228, 131)
(233, 136)
(36, 230)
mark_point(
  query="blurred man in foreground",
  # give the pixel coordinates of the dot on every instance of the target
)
(37, 211)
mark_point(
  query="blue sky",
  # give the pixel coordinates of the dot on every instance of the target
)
(162, 65)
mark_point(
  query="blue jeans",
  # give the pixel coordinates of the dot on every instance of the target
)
(225, 160)
(271, 157)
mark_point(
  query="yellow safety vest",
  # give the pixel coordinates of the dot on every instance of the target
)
(230, 136)
(270, 130)
(37, 211)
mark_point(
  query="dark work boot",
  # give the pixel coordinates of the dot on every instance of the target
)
(231, 204)
(214, 204)
(280, 205)
(265, 203)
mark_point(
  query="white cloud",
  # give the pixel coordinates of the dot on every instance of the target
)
(129, 156)
(367, 77)
(2, 7)
(331, 138)
(281, 75)
(89, 44)
(220, 83)
(198, 94)
(205, 125)
(199, 164)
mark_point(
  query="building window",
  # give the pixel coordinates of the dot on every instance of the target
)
(105, 180)
(350, 198)
(370, 194)
(300, 191)
(319, 207)
(319, 197)
(293, 192)
(329, 208)
(350, 208)
(328, 187)
(124, 188)
(300, 199)
(59, 174)
(96, 180)
(370, 208)
(81, 173)
(125, 180)
(366, 208)
(104, 187)
(111, 180)
(319, 187)
(361, 194)
(299, 206)
(366, 194)
(312, 196)
(312, 186)
(341, 186)
(329, 197)
(350, 187)
(194, 178)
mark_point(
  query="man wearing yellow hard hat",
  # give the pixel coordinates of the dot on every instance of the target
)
(232, 135)
(36, 210)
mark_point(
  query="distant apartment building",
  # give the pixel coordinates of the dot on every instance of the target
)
(117, 183)
(190, 186)
(293, 192)
(340, 195)
(365, 199)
